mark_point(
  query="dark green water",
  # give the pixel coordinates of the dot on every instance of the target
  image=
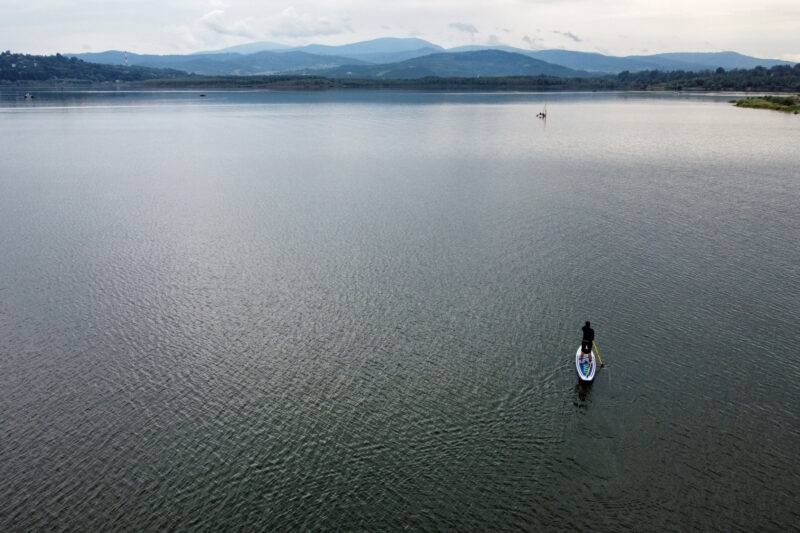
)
(359, 311)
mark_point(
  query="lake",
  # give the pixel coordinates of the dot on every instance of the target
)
(359, 311)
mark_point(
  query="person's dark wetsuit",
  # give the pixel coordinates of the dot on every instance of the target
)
(588, 338)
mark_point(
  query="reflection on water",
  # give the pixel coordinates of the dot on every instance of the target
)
(582, 389)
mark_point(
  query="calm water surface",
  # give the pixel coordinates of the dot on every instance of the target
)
(357, 311)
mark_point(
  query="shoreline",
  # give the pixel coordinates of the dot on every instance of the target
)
(324, 84)
(784, 104)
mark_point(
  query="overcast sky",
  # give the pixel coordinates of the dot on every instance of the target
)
(762, 28)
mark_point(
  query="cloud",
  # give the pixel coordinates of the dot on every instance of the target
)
(293, 24)
(768, 29)
(212, 29)
(217, 27)
(569, 35)
(213, 20)
(533, 42)
(466, 28)
(493, 40)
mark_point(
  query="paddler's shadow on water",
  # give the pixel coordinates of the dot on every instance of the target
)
(582, 395)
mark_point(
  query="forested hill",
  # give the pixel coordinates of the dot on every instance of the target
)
(31, 68)
(481, 63)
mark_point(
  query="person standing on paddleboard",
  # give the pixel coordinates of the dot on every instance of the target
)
(586, 343)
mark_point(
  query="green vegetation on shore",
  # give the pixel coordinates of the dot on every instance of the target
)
(789, 104)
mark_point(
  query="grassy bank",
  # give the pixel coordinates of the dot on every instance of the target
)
(788, 104)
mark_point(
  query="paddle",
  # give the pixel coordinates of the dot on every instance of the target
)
(598, 354)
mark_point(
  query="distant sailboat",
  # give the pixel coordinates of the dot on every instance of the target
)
(28, 96)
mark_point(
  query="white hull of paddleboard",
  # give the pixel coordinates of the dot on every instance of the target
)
(586, 371)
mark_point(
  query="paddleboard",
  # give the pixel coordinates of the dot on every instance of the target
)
(586, 370)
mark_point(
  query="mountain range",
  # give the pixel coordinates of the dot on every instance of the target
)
(395, 58)
(480, 63)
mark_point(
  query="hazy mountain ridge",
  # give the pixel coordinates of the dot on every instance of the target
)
(726, 60)
(225, 63)
(360, 50)
(248, 48)
(605, 64)
(393, 54)
(22, 69)
(486, 63)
